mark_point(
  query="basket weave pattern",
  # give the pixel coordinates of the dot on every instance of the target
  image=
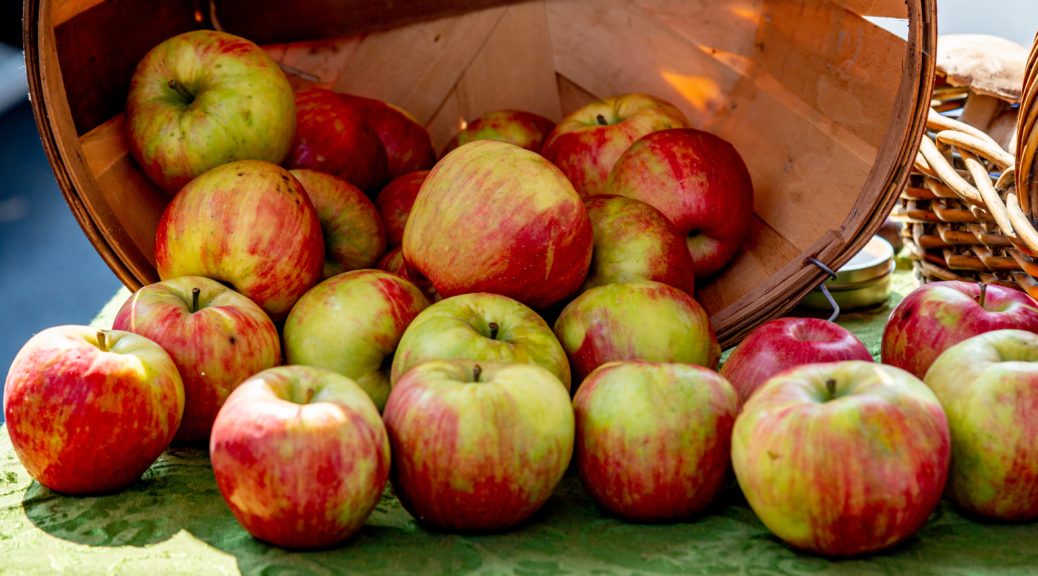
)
(968, 215)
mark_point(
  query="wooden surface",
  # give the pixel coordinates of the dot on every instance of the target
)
(825, 107)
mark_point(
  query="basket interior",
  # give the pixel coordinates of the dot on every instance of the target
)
(820, 101)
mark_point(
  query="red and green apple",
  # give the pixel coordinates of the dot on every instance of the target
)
(216, 337)
(493, 217)
(354, 236)
(248, 224)
(204, 98)
(653, 440)
(588, 141)
(300, 456)
(699, 182)
(88, 411)
(842, 458)
(477, 447)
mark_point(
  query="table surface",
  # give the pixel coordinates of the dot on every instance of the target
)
(174, 521)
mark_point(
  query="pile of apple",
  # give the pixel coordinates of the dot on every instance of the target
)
(322, 343)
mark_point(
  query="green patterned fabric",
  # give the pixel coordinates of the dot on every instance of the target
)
(174, 521)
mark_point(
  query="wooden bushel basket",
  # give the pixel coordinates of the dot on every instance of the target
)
(826, 107)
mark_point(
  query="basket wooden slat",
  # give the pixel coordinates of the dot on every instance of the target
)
(826, 107)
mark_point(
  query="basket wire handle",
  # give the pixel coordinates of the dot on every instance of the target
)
(825, 289)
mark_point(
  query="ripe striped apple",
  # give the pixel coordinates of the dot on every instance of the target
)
(393, 262)
(588, 141)
(333, 136)
(216, 337)
(351, 324)
(395, 201)
(842, 458)
(477, 447)
(938, 315)
(248, 224)
(784, 343)
(408, 145)
(87, 410)
(301, 456)
(493, 217)
(204, 98)
(646, 321)
(482, 327)
(354, 236)
(634, 241)
(653, 440)
(698, 181)
(988, 386)
(524, 129)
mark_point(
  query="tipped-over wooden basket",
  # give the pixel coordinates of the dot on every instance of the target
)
(826, 107)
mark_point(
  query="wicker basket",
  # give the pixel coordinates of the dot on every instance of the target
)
(969, 206)
(826, 107)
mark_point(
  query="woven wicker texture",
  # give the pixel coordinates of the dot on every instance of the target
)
(968, 208)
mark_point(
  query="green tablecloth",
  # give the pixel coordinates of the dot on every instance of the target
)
(174, 521)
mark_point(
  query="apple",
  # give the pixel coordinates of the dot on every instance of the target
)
(935, 316)
(407, 143)
(351, 324)
(634, 241)
(333, 136)
(301, 456)
(493, 217)
(248, 224)
(842, 458)
(524, 129)
(393, 262)
(477, 447)
(653, 440)
(589, 140)
(988, 386)
(216, 337)
(87, 410)
(697, 180)
(394, 204)
(647, 321)
(354, 236)
(483, 327)
(204, 98)
(784, 343)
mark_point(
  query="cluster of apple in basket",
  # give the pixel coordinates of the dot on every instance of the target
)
(306, 332)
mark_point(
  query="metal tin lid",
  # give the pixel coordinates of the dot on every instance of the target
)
(863, 282)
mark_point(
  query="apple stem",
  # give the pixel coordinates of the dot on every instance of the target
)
(983, 294)
(180, 89)
(601, 120)
(308, 396)
(102, 340)
(830, 387)
(195, 293)
(493, 330)
(477, 371)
